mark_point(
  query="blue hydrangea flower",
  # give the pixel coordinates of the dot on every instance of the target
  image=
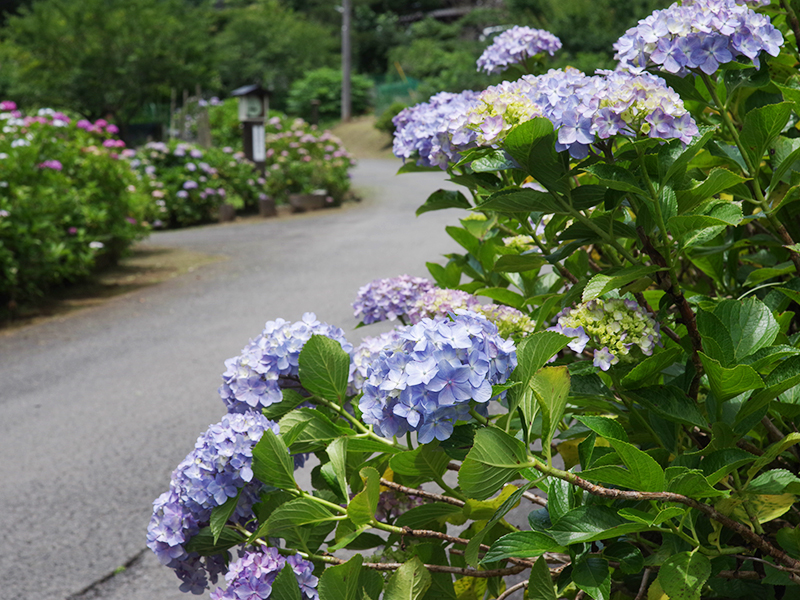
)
(219, 466)
(613, 327)
(435, 132)
(428, 381)
(515, 46)
(698, 34)
(254, 379)
(389, 299)
(252, 576)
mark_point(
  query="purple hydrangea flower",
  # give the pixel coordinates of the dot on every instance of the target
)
(254, 379)
(515, 46)
(439, 302)
(219, 466)
(389, 299)
(425, 379)
(698, 34)
(252, 576)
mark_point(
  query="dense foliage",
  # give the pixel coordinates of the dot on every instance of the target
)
(325, 87)
(634, 390)
(67, 201)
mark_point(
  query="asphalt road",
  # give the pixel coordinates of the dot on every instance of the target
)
(97, 409)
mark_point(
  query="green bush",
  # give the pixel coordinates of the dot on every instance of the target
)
(325, 85)
(67, 202)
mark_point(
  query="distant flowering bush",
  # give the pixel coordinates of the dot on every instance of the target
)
(515, 46)
(653, 238)
(68, 203)
(188, 184)
(300, 158)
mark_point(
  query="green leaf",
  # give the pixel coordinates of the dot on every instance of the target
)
(520, 544)
(718, 180)
(789, 539)
(720, 463)
(303, 523)
(413, 167)
(420, 517)
(590, 573)
(494, 161)
(356, 444)
(324, 368)
(465, 239)
(683, 575)
(550, 387)
(691, 483)
(761, 127)
(494, 460)
(616, 178)
(337, 452)
(347, 533)
(427, 460)
(315, 429)
(532, 145)
(614, 279)
(628, 556)
(446, 277)
(361, 509)
(763, 359)
(341, 582)
(220, 515)
(772, 452)
(591, 523)
(519, 263)
(647, 471)
(729, 383)
(503, 296)
(291, 400)
(652, 365)
(760, 275)
(285, 585)
(471, 552)
(775, 482)
(673, 157)
(669, 402)
(203, 543)
(750, 324)
(271, 462)
(515, 201)
(693, 230)
(410, 581)
(717, 342)
(441, 199)
(604, 427)
(540, 584)
(441, 583)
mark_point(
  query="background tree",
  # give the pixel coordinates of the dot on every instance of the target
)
(106, 57)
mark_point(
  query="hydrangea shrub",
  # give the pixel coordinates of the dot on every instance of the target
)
(68, 203)
(614, 351)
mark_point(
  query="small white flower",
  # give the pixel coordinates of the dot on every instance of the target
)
(96, 245)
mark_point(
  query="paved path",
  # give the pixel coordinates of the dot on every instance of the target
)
(98, 408)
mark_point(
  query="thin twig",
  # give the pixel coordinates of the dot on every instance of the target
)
(643, 587)
(766, 562)
(754, 539)
(422, 493)
(521, 585)
(427, 533)
(535, 499)
(441, 569)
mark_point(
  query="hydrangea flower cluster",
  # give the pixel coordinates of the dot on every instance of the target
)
(701, 34)
(428, 384)
(389, 299)
(510, 322)
(251, 577)
(612, 326)
(254, 379)
(219, 466)
(367, 352)
(584, 109)
(515, 46)
(439, 302)
(435, 131)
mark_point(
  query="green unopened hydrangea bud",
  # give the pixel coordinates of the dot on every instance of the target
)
(475, 216)
(510, 322)
(520, 243)
(612, 327)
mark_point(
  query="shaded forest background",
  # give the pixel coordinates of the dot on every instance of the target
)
(124, 59)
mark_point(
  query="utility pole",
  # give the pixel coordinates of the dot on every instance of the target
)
(346, 67)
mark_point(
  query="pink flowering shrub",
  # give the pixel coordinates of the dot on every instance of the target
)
(67, 203)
